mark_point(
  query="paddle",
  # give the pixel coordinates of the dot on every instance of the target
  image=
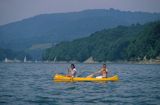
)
(89, 76)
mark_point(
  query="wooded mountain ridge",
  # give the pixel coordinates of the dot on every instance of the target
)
(121, 43)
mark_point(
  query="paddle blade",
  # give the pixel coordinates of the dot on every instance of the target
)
(90, 76)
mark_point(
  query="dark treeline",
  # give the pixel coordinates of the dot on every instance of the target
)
(120, 43)
(10, 54)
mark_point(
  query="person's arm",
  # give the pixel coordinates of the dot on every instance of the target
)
(97, 72)
(106, 70)
(69, 72)
(91, 75)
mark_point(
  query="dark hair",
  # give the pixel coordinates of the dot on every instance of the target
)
(73, 65)
(104, 65)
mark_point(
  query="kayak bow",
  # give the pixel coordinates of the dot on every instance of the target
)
(63, 78)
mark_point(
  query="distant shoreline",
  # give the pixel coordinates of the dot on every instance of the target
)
(153, 61)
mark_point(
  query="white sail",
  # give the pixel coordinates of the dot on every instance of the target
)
(25, 59)
(55, 59)
(6, 60)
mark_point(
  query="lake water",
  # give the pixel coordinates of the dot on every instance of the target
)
(32, 84)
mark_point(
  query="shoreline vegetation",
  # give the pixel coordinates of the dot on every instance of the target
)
(91, 61)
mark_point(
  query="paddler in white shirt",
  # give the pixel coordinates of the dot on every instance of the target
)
(72, 71)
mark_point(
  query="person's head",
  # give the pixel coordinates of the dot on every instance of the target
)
(72, 66)
(104, 65)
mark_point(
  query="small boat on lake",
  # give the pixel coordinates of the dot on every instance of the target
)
(63, 78)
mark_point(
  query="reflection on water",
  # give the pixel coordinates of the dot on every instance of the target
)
(32, 84)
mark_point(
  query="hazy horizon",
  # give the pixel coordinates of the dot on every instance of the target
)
(12, 11)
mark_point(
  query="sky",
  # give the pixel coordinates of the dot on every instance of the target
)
(16, 10)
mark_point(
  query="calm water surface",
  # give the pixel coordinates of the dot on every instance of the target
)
(31, 84)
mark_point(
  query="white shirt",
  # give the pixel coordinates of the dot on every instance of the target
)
(73, 72)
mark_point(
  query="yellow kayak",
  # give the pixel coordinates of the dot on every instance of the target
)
(63, 78)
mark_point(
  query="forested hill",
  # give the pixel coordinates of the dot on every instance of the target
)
(12, 55)
(120, 43)
(57, 27)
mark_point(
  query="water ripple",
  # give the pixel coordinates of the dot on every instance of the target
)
(32, 84)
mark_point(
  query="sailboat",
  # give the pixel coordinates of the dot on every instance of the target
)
(16, 60)
(36, 61)
(5, 60)
(25, 59)
(55, 59)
